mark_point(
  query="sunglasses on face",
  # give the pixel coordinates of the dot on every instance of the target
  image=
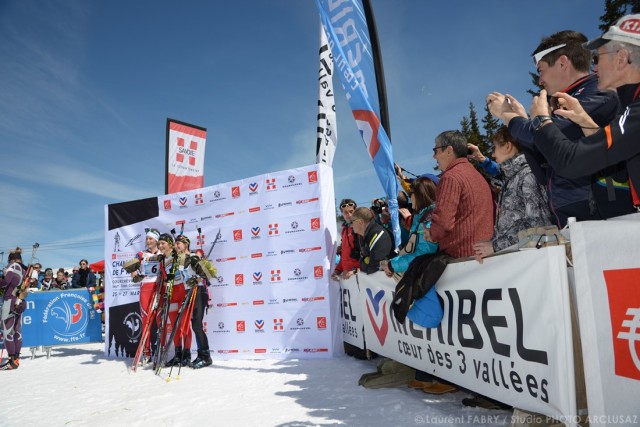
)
(596, 56)
(347, 205)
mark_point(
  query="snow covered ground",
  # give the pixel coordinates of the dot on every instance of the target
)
(78, 386)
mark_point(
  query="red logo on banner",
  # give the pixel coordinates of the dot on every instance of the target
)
(237, 235)
(318, 271)
(275, 275)
(240, 326)
(190, 152)
(321, 322)
(199, 199)
(167, 205)
(271, 184)
(260, 350)
(315, 223)
(200, 240)
(624, 309)
(313, 176)
(239, 279)
(278, 324)
(273, 229)
(235, 192)
(181, 222)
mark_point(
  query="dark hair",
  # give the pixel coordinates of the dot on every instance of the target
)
(456, 140)
(424, 191)
(403, 200)
(167, 238)
(346, 202)
(577, 54)
(502, 136)
(16, 255)
(85, 261)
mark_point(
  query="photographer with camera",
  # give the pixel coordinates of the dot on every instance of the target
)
(381, 211)
(349, 247)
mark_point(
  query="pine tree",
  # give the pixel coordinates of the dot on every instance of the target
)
(616, 9)
(535, 78)
(490, 126)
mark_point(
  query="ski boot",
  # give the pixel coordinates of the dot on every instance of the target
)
(12, 363)
(177, 359)
(186, 357)
(203, 360)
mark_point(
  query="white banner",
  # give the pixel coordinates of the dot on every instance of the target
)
(276, 239)
(327, 140)
(506, 330)
(351, 312)
(606, 256)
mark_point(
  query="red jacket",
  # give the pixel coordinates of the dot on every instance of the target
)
(349, 242)
(464, 210)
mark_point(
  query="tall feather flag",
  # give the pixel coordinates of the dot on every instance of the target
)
(327, 125)
(351, 43)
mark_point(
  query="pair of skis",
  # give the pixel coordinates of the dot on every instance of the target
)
(22, 290)
(152, 312)
(161, 344)
(184, 315)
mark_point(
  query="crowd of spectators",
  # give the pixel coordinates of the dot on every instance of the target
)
(80, 276)
(575, 155)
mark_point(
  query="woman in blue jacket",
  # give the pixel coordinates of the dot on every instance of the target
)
(426, 311)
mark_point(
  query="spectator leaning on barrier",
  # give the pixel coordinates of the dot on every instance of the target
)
(60, 281)
(84, 277)
(522, 202)
(464, 208)
(349, 246)
(375, 241)
(617, 63)
(47, 281)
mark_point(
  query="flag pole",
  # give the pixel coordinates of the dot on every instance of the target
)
(377, 64)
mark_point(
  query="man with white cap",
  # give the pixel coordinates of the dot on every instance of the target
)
(616, 59)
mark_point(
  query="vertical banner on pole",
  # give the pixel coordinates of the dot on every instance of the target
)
(185, 156)
(350, 41)
(327, 126)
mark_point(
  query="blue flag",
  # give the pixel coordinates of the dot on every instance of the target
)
(348, 35)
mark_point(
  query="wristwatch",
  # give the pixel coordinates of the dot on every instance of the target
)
(538, 121)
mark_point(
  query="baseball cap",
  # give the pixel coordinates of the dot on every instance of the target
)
(626, 30)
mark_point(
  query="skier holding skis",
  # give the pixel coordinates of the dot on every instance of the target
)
(147, 273)
(178, 294)
(12, 309)
(199, 308)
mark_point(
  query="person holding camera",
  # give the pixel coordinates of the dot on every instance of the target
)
(563, 64)
(349, 247)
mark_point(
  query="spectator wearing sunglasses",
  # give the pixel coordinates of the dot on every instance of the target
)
(84, 277)
(349, 247)
(563, 65)
(617, 58)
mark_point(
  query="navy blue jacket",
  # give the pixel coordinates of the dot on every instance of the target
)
(602, 106)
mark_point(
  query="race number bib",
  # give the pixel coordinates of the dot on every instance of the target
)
(151, 268)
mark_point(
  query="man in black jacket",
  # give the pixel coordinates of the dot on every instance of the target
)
(617, 63)
(375, 241)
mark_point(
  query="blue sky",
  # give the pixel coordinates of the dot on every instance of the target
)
(86, 88)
